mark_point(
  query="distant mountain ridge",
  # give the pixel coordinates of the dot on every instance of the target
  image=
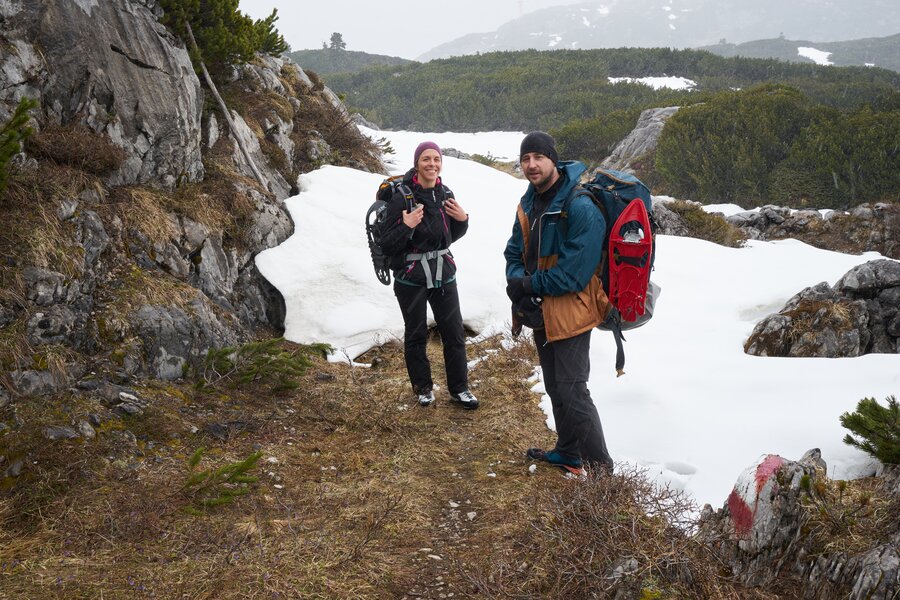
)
(328, 60)
(881, 52)
(680, 24)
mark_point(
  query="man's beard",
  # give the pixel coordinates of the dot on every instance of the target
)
(543, 183)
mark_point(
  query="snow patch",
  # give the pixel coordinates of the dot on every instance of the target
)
(675, 83)
(819, 57)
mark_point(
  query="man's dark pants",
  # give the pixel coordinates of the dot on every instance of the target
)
(566, 366)
(444, 301)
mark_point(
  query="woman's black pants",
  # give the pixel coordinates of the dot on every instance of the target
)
(444, 302)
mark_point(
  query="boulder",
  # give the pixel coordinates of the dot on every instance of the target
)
(764, 535)
(859, 315)
(641, 140)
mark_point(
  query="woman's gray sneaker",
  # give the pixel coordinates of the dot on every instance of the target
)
(466, 399)
(426, 399)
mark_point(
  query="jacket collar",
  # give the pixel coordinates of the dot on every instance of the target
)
(570, 171)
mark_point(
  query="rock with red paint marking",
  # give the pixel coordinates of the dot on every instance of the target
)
(760, 534)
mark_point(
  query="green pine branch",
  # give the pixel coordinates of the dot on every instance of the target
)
(265, 362)
(877, 429)
(210, 488)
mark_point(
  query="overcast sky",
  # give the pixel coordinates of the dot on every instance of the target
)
(404, 28)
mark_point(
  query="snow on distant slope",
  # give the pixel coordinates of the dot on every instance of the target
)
(817, 56)
(675, 83)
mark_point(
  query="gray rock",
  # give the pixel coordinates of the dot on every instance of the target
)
(361, 120)
(212, 130)
(36, 383)
(66, 209)
(667, 222)
(128, 409)
(172, 338)
(44, 287)
(15, 469)
(86, 430)
(92, 236)
(870, 278)
(7, 316)
(761, 534)
(860, 315)
(641, 140)
(56, 325)
(131, 80)
(274, 180)
(56, 433)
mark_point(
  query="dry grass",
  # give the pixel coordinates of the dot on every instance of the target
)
(362, 494)
(811, 316)
(32, 232)
(846, 516)
(145, 210)
(76, 146)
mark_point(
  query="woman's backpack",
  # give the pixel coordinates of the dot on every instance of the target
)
(374, 219)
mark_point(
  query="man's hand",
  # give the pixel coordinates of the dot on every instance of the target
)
(516, 288)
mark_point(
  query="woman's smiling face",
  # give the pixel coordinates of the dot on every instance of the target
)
(428, 167)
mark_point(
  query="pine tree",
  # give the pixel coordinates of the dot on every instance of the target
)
(878, 428)
(337, 42)
(12, 134)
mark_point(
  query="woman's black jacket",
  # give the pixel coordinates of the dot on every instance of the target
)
(435, 233)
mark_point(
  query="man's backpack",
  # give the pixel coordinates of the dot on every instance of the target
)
(629, 251)
(375, 218)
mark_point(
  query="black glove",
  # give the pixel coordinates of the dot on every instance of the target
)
(529, 313)
(517, 288)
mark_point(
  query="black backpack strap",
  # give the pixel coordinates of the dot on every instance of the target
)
(620, 349)
(613, 321)
(407, 195)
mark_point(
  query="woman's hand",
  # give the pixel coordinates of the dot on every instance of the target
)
(455, 210)
(411, 219)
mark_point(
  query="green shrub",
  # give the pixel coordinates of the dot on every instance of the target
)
(707, 226)
(12, 134)
(723, 150)
(263, 363)
(224, 35)
(877, 429)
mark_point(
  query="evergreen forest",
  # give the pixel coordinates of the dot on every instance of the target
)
(750, 131)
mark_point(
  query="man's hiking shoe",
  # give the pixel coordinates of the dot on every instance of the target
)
(572, 465)
(426, 398)
(465, 399)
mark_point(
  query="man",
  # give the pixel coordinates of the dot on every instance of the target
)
(551, 262)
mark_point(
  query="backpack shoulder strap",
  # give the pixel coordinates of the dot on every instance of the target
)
(526, 231)
(584, 190)
(407, 194)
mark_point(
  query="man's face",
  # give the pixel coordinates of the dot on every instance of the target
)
(539, 170)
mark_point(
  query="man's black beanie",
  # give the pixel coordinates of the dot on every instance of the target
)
(540, 142)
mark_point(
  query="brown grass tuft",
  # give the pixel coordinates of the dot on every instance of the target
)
(816, 315)
(76, 146)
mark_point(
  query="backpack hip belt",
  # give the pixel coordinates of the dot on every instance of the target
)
(424, 257)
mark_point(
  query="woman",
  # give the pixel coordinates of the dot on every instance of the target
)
(422, 220)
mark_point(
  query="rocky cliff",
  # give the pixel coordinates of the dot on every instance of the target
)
(133, 215)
